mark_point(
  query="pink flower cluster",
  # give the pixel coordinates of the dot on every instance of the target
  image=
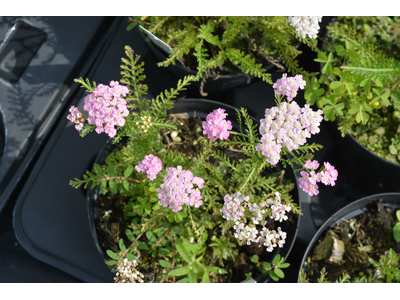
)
(75, 116)
(151, 165)
(107, 108)
(178, 189)
(232, 209)
(286, 125)
(305, 26)
(309, 180)
(216, 126)
(288, 86)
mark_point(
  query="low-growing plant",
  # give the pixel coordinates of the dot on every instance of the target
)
(359, 86)
(193, 216)
(233, 44)
(386, 270)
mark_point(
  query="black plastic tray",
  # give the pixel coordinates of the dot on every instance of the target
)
(39, 57)
(50, 217)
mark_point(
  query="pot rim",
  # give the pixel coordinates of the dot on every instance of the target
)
(349, 211)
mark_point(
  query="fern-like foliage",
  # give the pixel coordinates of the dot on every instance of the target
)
(371, 63)
(163, 102)
(230, 45)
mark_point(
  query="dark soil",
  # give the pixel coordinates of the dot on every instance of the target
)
(346, 247)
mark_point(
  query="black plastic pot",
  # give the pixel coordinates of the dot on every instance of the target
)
(197, 108)
(351, 210)
(369, 166)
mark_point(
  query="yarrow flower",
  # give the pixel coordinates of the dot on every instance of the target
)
(75, 116)
(309, 179)
(329, 176)
(151, 165)
(286, 125)
(305, 26)
(244, 232)
(272, 238)
(107, 108)
(127, 272)
(278, 208)
(216, 126)
(288, 86)
(234, 208)
(178, 189)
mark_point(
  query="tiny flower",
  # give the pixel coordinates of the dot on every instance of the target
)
(311, 165)
(329, 176)
(76, 117)
(309, 179)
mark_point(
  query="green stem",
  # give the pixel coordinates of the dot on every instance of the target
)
(117, 177)
(251, 174)
(299, 162)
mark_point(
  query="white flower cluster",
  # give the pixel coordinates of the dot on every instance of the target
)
(272, 238)
(234, 210)
(245, 232)
(306, 25)
(278, 209)
(127, 272)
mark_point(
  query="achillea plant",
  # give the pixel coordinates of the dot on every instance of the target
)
(190, 216)
(233, 44)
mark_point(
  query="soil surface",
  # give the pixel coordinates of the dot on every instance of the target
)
(347, 246)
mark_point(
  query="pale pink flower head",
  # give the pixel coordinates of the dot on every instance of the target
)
(178, 188)
(311, 165)
(151, 165)
(288, 86)
(215, 126)
(106, 107)
(75, 116)
(306, 25)
(329, 176)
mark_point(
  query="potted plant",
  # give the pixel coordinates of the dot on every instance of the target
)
(227, 52)
(196, 200)
(359, 243)
(358, 89)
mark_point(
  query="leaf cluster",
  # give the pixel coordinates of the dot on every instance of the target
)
(274, 269)
(357, 77)
(228, 45)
